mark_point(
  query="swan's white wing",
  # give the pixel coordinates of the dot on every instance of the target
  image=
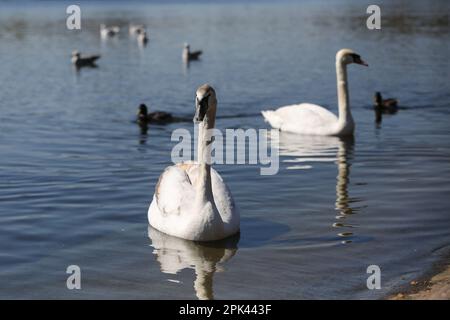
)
(172, 253)
(305, 118)
(173, 209)
(174, 191)
(224, 200)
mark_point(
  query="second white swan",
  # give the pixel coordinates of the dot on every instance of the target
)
(311, 119)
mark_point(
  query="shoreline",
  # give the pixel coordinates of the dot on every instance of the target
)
(432, 285)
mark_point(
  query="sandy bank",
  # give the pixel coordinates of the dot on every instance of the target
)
(435, 288)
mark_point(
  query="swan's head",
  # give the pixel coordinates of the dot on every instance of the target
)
(75, 53)
(347, 56)
(142, 110)
(205, 103)
(186, 45)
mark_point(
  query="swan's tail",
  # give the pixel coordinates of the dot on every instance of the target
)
(272, 118)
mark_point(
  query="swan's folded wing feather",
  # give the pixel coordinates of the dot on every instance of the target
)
(223, 199)
(312, 113)
(174, 191)
(272, 118)
(306, 117)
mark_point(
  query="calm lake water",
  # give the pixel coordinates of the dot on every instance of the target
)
(77, 175)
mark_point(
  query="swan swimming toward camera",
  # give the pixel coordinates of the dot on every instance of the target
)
(311, 119)
(144, 117)
(191, 200)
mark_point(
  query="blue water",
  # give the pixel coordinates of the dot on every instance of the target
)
(77, 175)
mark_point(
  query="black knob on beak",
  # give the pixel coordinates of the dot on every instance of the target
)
(201, 109)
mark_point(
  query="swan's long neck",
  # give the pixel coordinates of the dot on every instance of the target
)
(204, 187)
(345, 115)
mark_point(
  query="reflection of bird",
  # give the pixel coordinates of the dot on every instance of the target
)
(188, 55)
(175, 254)
(378, 117)
(311, 119)
(80, 61)
(302, 152)
(142, 38)
(343, 155)
(342, 197)
(191, 200)
(108, 31)
(385, 105)
(143, 117)
(144, 130)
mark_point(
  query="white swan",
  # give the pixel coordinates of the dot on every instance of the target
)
(191, 200)
(311, 119)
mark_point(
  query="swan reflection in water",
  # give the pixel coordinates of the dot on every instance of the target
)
(206, 258)
(303, 152)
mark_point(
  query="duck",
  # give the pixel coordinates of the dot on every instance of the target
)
(142, 38)
(106, 32)
(80, 61)
(153, 117)
(311, 119)
(385, 105)
(188, 55)
(191, 200)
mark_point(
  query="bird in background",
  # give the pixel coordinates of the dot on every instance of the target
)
(389, 105)
(189, 55)
(136, 29)
(106, 32)
(80, 61)
(144, 117)
(311, 119)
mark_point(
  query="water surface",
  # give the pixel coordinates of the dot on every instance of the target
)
(77, 175)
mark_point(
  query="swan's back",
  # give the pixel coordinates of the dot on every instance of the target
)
(304, 118)
(173, 210)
